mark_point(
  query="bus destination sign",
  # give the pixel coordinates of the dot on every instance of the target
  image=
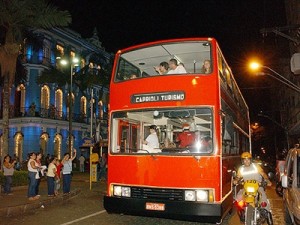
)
(158, 97)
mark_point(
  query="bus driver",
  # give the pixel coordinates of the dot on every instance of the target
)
(151, 144)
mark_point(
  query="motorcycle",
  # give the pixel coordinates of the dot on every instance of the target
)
(251, 209)
(279, 188)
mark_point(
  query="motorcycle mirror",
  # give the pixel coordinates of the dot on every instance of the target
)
(271, 175)
(233, 173)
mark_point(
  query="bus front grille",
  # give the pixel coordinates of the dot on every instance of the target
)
(157, 193)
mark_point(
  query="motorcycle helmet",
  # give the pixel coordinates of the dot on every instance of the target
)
(246, 155)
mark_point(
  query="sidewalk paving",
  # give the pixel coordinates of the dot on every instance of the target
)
(18, 203)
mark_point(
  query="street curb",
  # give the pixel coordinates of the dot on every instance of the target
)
(29, 207)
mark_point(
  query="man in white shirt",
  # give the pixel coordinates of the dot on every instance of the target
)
(175, 68)
(151, 144)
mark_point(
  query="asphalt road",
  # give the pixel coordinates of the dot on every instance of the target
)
(87, 208)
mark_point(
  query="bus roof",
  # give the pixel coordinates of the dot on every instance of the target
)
(187, 51)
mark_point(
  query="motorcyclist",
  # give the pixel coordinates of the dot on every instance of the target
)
(252, 171)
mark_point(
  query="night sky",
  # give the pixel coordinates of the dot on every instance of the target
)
(235, 24)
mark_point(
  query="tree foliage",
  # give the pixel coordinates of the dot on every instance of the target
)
(16, 16)
(85, 78)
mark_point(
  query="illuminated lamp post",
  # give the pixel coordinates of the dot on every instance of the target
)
(255, 66)
(74, 62)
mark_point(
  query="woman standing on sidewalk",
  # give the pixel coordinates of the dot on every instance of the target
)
(32, 174)
(67, 170)
(8, 170)
(51, 174)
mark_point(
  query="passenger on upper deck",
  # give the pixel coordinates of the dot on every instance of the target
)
(206, 68)
(133, 76)
(162, 68)
(175, 68)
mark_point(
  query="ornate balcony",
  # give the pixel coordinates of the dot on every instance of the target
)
(51, 113)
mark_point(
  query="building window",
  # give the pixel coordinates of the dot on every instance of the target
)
(82, 63)
(72, 54)
(45, 100)
(59, 103)
(46, 51)
(100, 109)
(20, 98)
(43, 143)
(18, 139)
(57, 145)
(60, 50)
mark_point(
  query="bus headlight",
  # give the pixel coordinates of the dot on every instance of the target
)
(198, 195)
(202, 196)
(117, 190)
(122, 191)
(189, 195)
(126, 192)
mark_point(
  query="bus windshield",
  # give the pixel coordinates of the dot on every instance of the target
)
(191, 57)
(178, 130)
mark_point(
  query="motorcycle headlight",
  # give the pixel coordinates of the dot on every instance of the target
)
(250, 189)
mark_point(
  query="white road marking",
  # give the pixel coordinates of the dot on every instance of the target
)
(85, 217)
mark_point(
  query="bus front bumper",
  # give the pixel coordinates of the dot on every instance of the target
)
(192, 211)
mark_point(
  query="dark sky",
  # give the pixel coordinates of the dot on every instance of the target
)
(235, 24)
(124, 23)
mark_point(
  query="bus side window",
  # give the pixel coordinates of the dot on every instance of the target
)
(227, 134)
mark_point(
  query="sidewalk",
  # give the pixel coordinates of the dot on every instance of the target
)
(18, 203)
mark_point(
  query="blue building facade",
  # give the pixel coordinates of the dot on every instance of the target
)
(39, 113)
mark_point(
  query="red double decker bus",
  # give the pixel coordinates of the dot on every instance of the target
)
(191, 178)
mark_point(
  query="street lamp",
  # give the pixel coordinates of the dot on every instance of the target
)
(74, 62)
(280, 78)
(277, 76)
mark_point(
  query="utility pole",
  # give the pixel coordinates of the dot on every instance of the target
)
(278, 31)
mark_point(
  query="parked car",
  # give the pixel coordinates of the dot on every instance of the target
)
(291, 183)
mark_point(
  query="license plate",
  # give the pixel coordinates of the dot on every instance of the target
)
(155, 206)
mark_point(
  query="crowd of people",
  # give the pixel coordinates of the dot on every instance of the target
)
(174, 67)
(50, 168)
(53, 170)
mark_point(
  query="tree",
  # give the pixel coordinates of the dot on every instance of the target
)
(16, 16)
(99, 76)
